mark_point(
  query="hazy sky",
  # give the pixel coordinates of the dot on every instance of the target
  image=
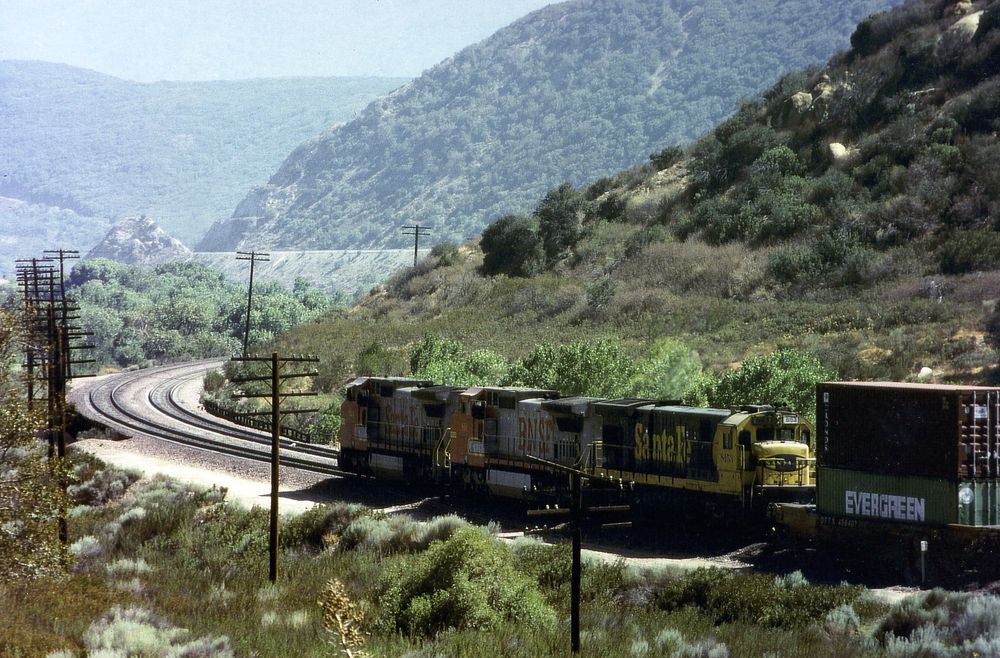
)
(147, 40)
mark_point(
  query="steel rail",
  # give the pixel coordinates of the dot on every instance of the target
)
(163, 398)
(107, 403)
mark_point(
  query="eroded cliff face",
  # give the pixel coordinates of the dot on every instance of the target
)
(137, 240)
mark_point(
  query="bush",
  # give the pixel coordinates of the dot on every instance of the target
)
(942, 624)
(728, 597)
(667, 157)
(446, 361)
(599, 368)
(786, 376)
(137, 632)
(465, 582)
(511, 245)
(670, 370)
(790, 263)
(969, 251)
(559, 221)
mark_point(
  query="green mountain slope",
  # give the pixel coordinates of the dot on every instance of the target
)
(852, 213)
(571, 92)
(183, 153)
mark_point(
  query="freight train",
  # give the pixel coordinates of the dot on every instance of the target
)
(519, 443)
(904, 465)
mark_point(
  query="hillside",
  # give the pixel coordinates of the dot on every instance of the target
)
(574, 91)
(850, 213)
(185, 153)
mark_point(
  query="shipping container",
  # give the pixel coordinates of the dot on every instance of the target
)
(917, 500)
(909, 430)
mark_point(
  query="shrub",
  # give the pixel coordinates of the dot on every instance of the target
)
(446, 361)
(98, 484)
(612, 207)
(940, 623)
(667, 157)
(559, 221)
(597, 367)
(512, 246)
(670, 370)
(790, 263)
(969, 251)
(728, 597)
(465, 582)
(446, 253)
(787, 376)
(137, 632)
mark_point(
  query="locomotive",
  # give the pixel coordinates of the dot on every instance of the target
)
(519, 443)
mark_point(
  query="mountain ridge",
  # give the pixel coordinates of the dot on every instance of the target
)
(561, 94)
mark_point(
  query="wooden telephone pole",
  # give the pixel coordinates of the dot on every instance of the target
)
(253, 257)
(416, 231)
(275, 396)
(579, 516)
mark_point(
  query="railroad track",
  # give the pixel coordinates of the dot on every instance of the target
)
(122, 403)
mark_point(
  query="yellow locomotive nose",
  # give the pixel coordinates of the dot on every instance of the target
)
(783, 463)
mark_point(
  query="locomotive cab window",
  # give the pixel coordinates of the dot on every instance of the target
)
(727, 441)
(507, 402)
(765, 434)
(745, 439)
(804, 436)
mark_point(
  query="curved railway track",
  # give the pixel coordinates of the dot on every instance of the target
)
(128, 402)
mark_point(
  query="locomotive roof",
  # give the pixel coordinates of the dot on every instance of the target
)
(573, 405)
(622, 405)
(473, 391)
(438, 393)
(407, 381)
(694, 411)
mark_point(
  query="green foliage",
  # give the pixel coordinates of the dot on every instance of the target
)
(30, 493)
(940, 624)
(668, 372)
(559, 221)
(968, 251)
(780, 602)
(511, 246)
(180, 310)
(787, 376)
(598, 367)
(466, 581)
(568, 94)
(446, 361)
(666, 158)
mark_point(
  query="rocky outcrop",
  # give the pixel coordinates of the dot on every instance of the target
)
(137, 240)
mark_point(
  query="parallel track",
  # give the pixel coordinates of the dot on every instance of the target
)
(107, 402)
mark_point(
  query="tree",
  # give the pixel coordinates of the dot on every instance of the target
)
(559, 221)
(787, 376)
(672, 368)
(446, 361)
(511, 246)
(599, 368)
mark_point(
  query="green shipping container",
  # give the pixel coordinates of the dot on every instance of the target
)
(920, 500)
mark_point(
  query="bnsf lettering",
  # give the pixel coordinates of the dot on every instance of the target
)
(883, 506)
(401, 419)
(663, 447)
(534, 434)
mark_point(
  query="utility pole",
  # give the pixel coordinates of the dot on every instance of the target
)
(50, 336)
(578, 517)
(275, 396)
(416, 231)
(253, 257)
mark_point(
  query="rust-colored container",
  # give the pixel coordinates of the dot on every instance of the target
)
(921, 430)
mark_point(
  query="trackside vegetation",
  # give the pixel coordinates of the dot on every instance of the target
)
(159, 569)
(181, 311)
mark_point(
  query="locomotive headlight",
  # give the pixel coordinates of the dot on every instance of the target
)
(965, 496)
